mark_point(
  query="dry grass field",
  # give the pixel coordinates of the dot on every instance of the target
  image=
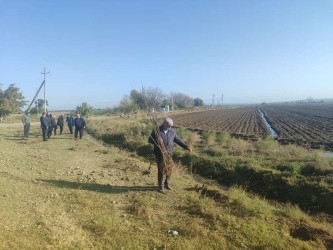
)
(67, 193)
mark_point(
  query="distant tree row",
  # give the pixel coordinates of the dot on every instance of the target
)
(40, 104)
(84, 109)
(11, 100)
(154, 98)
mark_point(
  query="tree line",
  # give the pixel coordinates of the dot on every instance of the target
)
(154, 98)
(11, 100)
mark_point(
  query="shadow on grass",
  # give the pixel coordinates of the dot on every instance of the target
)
(60, 138)
(6, 135)
(98, 187)
(16, 139)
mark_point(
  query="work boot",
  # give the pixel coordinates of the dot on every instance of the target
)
(166, 183)
(160, 190)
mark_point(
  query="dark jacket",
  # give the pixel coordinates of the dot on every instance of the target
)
(53, 122)
(70, 121)
(168, 140)
(60, 121)
(44, 123)
(48, 119)
(79, 123)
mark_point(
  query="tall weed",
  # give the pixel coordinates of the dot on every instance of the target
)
(266, 146)
(208, 137)
(222, 138)
(183, 133)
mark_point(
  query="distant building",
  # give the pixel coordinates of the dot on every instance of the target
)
(166, 108)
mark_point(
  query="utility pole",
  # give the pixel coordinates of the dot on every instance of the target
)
(213, 101)
(222, 99)
(45, 73)
(37, 104)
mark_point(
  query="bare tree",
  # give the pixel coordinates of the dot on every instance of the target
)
(183, 101)
(153, 97)
(127, 105)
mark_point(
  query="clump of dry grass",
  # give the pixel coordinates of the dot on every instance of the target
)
(193, 138)
(216, 194)
(208, 137)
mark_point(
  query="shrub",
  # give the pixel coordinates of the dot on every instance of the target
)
(295, 167)
(317, 156)
(222, 138)
(239, 147)
(208, 137)
(193, 138)
(148, 129)
(84, 109)
(183, 133)
(266, 146)
(215, 152)
(136, 129)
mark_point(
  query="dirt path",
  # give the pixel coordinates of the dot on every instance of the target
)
(52, 192)
(16, 124)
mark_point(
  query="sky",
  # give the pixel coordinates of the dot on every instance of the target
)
(249, 51)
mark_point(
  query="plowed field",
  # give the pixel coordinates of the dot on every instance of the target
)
(310, 125)
(306, 124)
(241, 122)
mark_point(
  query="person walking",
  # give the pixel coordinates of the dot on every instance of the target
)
(54, 125)
(169, 136)
(79, 124)
(70, 123)
(51, 124)
(60, 123)
(44, 123)
(26, 123)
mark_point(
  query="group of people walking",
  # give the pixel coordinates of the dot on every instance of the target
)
(48, 124)
(165, 131)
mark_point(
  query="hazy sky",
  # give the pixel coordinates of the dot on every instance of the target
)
(97, 51)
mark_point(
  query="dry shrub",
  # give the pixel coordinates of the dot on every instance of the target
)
(133, 168)
(208, 137)
(290, 150)
(223, 138)
(193, 138)
(266, 146)
(240, 147)
(305, 232)
(167, 165)
(102, 151)
(216, 194)
(151, 97)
